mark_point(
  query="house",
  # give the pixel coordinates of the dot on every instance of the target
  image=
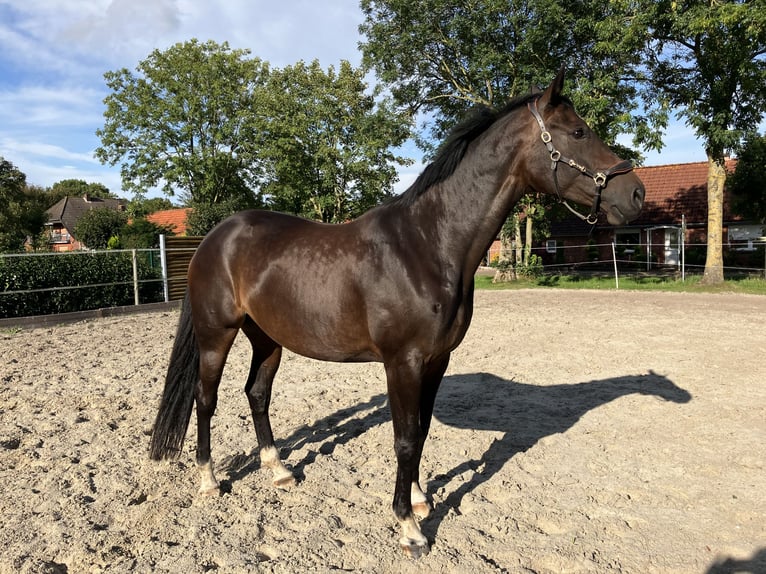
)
(175, 219)
(676, 200)
(64, 215)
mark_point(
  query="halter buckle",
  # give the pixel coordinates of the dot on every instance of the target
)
(600, 179)
(545, 136)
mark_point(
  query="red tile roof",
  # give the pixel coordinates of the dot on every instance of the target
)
(676, 190)
(173, 218)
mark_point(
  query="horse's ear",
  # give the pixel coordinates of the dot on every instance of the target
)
(552, 94)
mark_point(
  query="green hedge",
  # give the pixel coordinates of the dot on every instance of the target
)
(90, 276)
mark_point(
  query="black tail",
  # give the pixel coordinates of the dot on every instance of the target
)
(178, 396)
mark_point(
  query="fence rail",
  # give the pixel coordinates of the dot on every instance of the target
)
(169, 265)
(637, 259)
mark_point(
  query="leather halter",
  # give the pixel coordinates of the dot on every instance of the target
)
(599, 178)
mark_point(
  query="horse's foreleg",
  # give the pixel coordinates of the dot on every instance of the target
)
(404, 391)
(431, 381)
(266, 358)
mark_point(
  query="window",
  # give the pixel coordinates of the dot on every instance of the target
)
(550, 246)
(630, 237)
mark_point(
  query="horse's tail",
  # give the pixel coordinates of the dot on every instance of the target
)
(178, 396)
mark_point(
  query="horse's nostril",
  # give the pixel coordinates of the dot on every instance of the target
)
(638, 196)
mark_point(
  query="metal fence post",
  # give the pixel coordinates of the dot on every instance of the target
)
(135, 277)
(164, 264)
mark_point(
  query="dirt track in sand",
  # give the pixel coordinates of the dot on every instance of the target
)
(576, 431)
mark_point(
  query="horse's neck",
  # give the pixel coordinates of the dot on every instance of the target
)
(465, 212)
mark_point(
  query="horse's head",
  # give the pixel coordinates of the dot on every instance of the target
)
(572, 162)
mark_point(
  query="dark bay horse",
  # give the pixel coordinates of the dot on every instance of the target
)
(393, 286)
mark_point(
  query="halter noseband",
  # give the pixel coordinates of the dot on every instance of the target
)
(599, 178)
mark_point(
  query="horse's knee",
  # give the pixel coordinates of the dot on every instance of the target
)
(406, 449)
(259, 401)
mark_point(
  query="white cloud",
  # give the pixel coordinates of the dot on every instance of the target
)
(122, 30)
(50, 106)
(12, 147)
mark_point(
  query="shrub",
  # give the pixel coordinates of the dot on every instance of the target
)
(82, 281)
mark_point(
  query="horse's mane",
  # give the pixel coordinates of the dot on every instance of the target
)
(452, 150)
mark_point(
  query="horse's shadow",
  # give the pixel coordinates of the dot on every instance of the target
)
(754, 565)
(524, 413)
(319, 438)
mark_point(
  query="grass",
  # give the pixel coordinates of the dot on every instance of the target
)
(643, 283)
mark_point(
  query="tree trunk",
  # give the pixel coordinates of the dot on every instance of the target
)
(506, 270)
(517, 239)
(528, 240)
(716, 178)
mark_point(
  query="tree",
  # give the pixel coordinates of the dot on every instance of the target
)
(97, 226)
(204, 216)
(187, 120)
(748, 182)
(77, 188)
(326, 143)
(142, 234)
(141, 207)
(12, 183)
(707, 58)
(21, 217)
(440, 57)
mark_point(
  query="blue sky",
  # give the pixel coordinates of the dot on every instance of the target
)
(53, 55)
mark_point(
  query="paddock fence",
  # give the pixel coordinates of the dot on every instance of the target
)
(153, 278)
(630, 260)
(80, 284)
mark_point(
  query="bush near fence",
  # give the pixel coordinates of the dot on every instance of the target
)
(78, 281)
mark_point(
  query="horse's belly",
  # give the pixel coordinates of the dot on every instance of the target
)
(317, 338)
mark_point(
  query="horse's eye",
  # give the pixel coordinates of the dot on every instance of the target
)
(579, 133)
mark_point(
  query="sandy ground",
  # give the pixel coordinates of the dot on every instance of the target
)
(575, 431)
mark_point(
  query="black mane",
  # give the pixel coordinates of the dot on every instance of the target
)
(452, 150)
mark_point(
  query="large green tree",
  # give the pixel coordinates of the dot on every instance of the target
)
(707, 58)
(230, 134)
(185, 121)
(440, 57)
(327, 142)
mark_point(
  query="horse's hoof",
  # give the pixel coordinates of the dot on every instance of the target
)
(413, 549)
(209, 491)
(421, 510)
(285, 482)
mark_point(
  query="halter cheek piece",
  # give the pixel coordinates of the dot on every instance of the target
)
(599, 178)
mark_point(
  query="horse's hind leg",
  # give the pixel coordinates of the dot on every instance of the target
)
(267, 355)
(214, 345)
